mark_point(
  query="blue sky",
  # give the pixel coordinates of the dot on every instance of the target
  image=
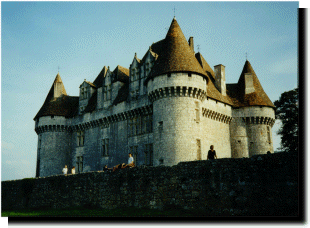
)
(82, 37)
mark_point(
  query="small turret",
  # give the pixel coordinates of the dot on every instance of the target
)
(51, 123)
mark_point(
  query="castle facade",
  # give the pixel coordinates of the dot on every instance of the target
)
(168, 107)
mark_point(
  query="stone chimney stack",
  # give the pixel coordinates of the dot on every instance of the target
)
(191, 43)
(249, 86)
(220, 81)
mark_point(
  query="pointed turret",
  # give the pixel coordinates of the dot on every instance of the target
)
(57, 103)
(175, 54)
(250, 91)
(58, 88)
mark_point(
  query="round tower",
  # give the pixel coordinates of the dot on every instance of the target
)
(54, 145)
(253, 118)
(176, 86)
(54, 134)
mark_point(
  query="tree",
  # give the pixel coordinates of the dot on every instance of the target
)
(287, 112)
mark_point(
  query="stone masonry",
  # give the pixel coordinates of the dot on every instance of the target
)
(263, 185)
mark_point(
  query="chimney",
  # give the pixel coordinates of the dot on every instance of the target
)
(249, 86)
(220, 81)
(191, 43)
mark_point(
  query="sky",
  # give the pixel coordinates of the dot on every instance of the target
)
(78, 39)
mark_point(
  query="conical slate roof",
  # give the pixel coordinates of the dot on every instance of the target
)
(205, 66)
(57, 103)
(237, 91)
(175, 54)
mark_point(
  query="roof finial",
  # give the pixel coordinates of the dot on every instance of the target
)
(58, 69)
(198, 47)
(174, 13)
(246, 56)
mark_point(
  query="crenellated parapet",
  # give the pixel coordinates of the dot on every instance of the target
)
(216, 116)
(52, 128)
(177, 91)
(105, 121)
(259, 120)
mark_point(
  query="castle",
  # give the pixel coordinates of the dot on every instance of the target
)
(168, 107)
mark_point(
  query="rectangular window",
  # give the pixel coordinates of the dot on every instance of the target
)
(79, 164)
(148, 153)
(198, 150)
(268, 134)
(109, 92)
(160, 126)
(149, 123)
(105, 147)
(39, 142)
(143, 124)
(80, 138)
(197, 111)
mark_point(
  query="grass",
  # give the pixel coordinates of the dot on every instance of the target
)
(82, 212)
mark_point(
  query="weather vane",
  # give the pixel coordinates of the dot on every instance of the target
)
(174, 11)
(58, 69)
(198, 47)
(246, 56)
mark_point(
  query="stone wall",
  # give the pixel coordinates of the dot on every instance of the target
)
(260, 185)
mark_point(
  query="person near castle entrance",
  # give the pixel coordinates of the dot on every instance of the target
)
(65, 170)
(211, 153)
(73, 170)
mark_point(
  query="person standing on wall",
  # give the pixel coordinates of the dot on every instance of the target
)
(211, 153)
(65, 170)
(73, 170)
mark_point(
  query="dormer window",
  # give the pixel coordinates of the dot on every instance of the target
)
(83, 93)
(107, 93)
(134, 74)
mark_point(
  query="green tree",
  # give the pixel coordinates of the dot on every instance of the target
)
(287, 112)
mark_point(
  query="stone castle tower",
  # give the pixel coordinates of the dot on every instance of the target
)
(168, 107)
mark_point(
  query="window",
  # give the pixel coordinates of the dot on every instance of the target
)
(160, 126)
(148, 154)
(80, 138)
(149, 123)
(39, 142)
(134, 74)
(161, 161)
(198, 149)
(79, 164)
(107, 93)
(268, 134)
(140, 125)
(105, 147)
(83, 93)
(197, 111)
